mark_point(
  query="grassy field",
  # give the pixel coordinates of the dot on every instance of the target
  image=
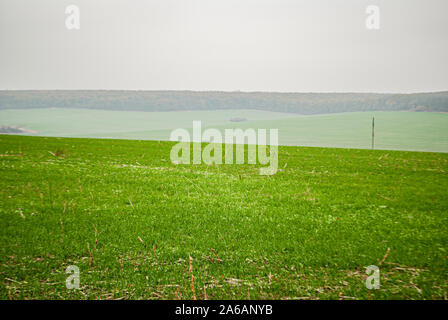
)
(130, 220)
(412, 131)
(121, 124)
(418, 131)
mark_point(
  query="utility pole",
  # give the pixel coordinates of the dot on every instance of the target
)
(373, 133)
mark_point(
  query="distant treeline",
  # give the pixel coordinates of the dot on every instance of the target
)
(303, 103)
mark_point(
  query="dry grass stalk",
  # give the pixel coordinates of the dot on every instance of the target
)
(217, 257)
(385, 257)
(192, 277)
(154, 253)
(90, 255)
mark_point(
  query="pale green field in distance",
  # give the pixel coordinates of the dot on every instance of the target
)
(414, 131)
(417, 131)
(120, 124)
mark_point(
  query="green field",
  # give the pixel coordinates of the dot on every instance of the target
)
(121, 124)
(418, 131)
(130, 220)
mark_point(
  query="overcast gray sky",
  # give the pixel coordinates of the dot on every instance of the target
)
(247, 45)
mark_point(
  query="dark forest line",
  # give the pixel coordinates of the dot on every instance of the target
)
(301, 103)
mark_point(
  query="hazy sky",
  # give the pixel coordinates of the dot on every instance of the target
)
(247, 45)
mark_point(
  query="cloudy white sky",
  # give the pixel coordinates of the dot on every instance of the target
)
(247, 45)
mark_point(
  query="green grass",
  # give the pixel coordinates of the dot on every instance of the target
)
(418, 131)
(306, 232)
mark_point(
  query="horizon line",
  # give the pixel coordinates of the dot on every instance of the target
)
(238, 91)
